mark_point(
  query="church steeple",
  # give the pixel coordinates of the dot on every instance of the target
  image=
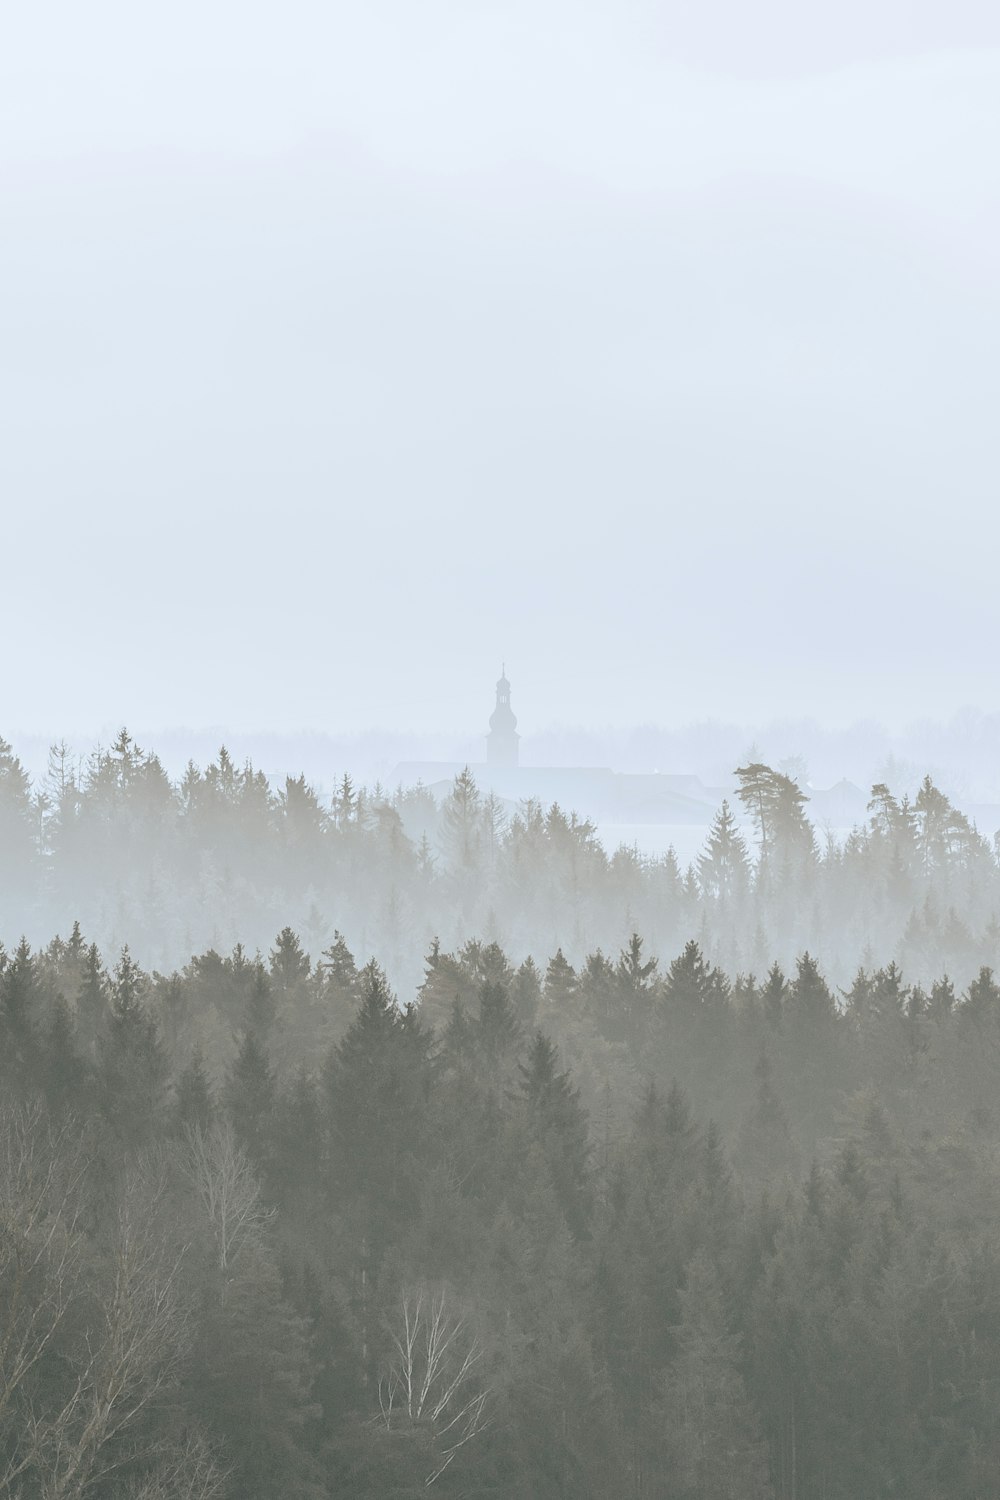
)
(501, 742)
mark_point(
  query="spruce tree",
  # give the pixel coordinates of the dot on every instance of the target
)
(249, 1099)
(711, 1432)
(132, 1069)
(193, 1107)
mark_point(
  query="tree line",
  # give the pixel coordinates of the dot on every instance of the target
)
(220, 857)
(618, 1227)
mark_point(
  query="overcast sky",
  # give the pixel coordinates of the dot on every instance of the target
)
(348, 349)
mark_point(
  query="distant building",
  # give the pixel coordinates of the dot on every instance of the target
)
(502, 740)
(629, 802)
(592, 791)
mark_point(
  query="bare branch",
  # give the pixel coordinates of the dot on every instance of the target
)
(434, 1369)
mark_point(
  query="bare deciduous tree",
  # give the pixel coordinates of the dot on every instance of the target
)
(134, 1335)
(41, 1252)
(187, 1471)
(227, 1188)
(432, 1374)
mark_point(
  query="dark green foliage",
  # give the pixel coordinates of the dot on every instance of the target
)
(65, 1081)
(132, 1066)
(250, 1378)
(194, 1107)
(20, 1014)
(378, 1091)
(560, 981)
(557, 1124)
(704, 1421)
(249, 1098)
(661, 1302)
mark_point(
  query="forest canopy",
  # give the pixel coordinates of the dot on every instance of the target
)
(633, 1181)
(622, 1228)
(222, 857)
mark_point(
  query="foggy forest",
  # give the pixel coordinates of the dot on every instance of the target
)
(598, 1097)
(547, 1171)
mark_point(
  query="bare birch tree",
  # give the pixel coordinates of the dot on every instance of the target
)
(227, 1188)
(432, 1375)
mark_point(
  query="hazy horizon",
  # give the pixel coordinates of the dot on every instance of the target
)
(962, 754)
(656, 353)
(370, 1128)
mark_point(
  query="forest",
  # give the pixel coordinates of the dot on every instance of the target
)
(594, 1219)
(546, 1231)
(221, 857)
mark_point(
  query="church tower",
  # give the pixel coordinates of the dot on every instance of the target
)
(501, 742)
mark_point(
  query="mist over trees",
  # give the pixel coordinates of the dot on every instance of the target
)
(679, 1185)
(219, 857)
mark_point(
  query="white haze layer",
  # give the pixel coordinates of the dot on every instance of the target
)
(346, 349)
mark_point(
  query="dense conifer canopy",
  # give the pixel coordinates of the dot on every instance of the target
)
(690, 1212)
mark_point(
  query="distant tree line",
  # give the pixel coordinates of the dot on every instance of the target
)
(219, 857)
(555, 1230)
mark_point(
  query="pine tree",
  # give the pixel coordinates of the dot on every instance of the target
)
(91, 1003)
(18, 844)
(560, 985)
(445, 983)
(774, 997)
(557, 1122)
(337, 991)
(259, 1012)
(297, 1164)
(712, 1433)
(289, 965)
(635, 983)
(982, 1001)
(499, 1034)
(249, 1376)
(20, 1017)
(378, 1083)
(765, 1149)
(462, 825)
(194, 1108)
(249, 1099)
(64, 1077)
(724, 866)
(132, 1069)
(599, 991)
(526, 992)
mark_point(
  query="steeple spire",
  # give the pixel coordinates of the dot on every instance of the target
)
(502, 740)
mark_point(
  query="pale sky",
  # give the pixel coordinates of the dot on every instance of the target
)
(348, 349)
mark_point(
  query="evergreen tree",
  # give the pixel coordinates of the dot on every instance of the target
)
(193, 1106)
(20, 1006)
(724, 866)
(132, 1069)
(558, 1124)
(249, 1098)
(289, 965)
(91, 1002)
(499, 1031)
(526, 992)
(712, 1433)
(765, 1150)
(462, 825)
(378, 1089)
(559, 989)
(635, 983)
(64, 1078)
